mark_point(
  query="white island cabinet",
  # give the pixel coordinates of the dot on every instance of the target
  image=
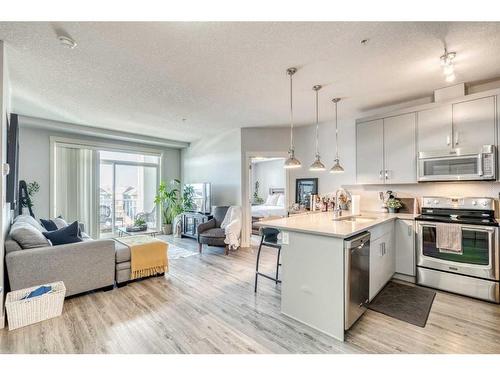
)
(313, 265)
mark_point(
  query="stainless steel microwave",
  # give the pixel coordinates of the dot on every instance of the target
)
(458, 164)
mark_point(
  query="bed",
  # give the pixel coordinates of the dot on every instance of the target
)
(267, 211)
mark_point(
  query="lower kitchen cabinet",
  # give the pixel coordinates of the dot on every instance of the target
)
(405, 247)
(382, 259)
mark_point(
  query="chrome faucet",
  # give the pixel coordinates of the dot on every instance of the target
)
(337, 212)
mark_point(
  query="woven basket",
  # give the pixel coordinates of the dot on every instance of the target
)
(23, 312)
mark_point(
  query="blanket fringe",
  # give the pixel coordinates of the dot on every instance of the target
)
(148, 272)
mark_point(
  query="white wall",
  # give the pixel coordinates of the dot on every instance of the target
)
(270, 174)
(217, 160)
(5, 96)
(34, 160)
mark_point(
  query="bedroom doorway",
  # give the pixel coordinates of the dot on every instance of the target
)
(267, 191)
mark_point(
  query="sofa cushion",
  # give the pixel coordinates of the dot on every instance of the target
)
(69, 234)
(27, 236)
(48, 225)
(29, 220)
(123, 266)
(214, 233)
(11, 245)
(122, 252)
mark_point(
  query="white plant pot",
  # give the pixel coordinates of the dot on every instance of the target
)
(167, 228)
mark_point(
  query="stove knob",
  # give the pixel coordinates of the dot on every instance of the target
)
(474, 203)
(436, 201)
(484, 203)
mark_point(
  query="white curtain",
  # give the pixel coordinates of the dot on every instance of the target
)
(76, 186)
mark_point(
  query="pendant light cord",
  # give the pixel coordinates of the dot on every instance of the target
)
(336, 134)
(291, 112)
(317, 122)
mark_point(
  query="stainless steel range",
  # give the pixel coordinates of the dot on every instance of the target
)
(474, 269)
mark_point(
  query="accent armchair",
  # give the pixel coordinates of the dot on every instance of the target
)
(210, 232)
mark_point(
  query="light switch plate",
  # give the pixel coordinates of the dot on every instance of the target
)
(285, 238)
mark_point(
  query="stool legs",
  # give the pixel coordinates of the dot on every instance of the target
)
(257, 265)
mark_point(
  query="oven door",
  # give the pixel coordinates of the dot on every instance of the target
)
(479, 257)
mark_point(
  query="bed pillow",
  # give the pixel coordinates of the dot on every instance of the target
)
(68, 234)
(271, 200)
(281, 200)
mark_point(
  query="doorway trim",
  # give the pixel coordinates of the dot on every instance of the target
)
(246, 229)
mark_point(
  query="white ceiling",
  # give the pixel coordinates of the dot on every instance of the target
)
(146, 77)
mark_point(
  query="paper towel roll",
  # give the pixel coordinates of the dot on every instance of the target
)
(355, 210)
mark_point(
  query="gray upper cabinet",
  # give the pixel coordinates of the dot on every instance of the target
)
(399, 149)
(474, 123)
(370, 152)
(434, 128)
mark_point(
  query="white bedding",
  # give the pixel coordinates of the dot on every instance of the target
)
(263, 210)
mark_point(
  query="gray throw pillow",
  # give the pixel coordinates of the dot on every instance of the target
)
(31, 221)
(60, 222)
(27, 236)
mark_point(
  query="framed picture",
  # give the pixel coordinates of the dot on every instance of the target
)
(304, 188)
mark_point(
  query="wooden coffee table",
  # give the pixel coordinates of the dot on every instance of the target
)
(122, 231)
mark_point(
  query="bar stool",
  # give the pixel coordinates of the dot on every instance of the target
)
(269, 238)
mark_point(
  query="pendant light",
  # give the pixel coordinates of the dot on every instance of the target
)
(337, 168)
(317, 165)
(291, 162)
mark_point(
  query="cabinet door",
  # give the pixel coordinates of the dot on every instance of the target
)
(376, 266)
(405, 247)
(474, 123)
(399, 149)
(370, 152)
(434, 129)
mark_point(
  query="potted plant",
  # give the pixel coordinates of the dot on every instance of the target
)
(393, 205)
(256, 198)
(171, 203)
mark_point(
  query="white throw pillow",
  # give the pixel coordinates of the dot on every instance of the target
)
(281, 200)
(60, 222)
(27, 219)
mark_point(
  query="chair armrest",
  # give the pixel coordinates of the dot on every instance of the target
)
(205, 226)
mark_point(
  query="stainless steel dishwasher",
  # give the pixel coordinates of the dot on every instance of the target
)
(357, 277)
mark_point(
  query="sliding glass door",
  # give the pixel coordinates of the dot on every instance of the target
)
(128, 185)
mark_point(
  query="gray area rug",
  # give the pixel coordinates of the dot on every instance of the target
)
(407, 303)
(176, 252)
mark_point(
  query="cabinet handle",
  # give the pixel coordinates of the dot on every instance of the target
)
(381, 249)
(456, 138)
(386, 174)
(409, 231)
(380, 174)
(447, 140)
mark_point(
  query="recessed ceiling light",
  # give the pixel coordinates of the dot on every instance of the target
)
(66, 41)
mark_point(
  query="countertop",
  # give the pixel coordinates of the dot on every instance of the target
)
(322, 223)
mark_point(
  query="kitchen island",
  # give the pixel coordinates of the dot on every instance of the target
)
(313, 264)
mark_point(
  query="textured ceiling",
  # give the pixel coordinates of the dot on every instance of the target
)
(147, 77)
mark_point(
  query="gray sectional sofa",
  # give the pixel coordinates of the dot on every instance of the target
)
(82, 266)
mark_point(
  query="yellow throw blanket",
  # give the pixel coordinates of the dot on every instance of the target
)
(148, 255)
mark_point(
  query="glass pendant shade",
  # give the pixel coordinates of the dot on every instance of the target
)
(317, 165)
(292, 161)
(337, 168)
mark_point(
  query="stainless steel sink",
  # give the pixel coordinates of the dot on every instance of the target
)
(356, 219)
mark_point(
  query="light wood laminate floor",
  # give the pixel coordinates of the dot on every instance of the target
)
(206, 304)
